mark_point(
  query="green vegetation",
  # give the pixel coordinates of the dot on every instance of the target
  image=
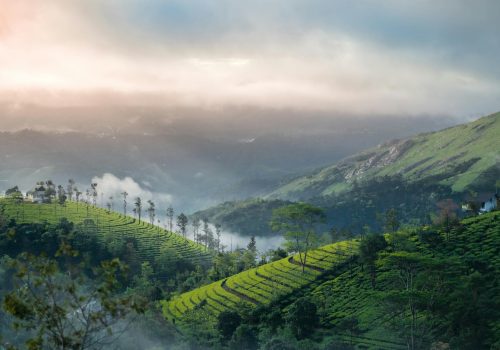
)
(58, 310)
(250, 217)
(151, 243)
(415, 288)
(462, 157)
(261, 285)
(408, 176)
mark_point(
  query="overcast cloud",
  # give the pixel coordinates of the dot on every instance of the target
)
(380, 57)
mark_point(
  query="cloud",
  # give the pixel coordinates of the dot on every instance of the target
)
(359, 57)
(110, 185)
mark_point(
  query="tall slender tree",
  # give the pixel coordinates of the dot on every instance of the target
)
(93, 187)
(170, 218)
(138, 207)
(218, 234)
(196, 230)
(151, 212)
(208, 235)
(70, 189)
(124, 194)
(77, 196)
(182, 221)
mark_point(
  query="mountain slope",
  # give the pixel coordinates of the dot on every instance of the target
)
(411, 175)
(151, 243)
(459, 157)
(261, 285)
(454, 279)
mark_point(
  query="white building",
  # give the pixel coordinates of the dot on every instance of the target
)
(489, 204)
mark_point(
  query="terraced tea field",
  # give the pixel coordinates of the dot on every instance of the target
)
(151, 240)
(260, 285)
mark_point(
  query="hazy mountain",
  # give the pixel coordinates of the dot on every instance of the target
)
(195, 160)
(411, 175)
(463, 157)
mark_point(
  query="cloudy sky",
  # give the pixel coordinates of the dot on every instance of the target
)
(391, 57)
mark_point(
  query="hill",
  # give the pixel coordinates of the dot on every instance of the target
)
(427, 285)
(462, 157)
(411, 175)
(261, 285)
(150, 243)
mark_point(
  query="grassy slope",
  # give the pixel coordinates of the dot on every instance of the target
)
(350, 294)
(444, 154)
(260, 285)
(151, 240)
(341, 292)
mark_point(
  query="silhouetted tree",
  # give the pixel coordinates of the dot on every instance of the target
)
(151, 212)
(138, 207)
(170, 218)
(182, 221)
(70, 189)
(124, 194)
(196, 230)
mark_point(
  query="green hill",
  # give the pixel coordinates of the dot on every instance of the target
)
(410, 175)
(454, 283)
(462, 157)
(261, 285)
(152, 242)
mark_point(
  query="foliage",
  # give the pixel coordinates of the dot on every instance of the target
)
(227, 322)
(303, 318)
(63, 310)
(369, 248)
(297, 222)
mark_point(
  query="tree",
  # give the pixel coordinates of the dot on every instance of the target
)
(391, 221)
(50, 190)
(182, 221)
(138, 207)
(124, 194)
(447, 216)
(208, 235)
(151, 212)
(218, 234)
(414, 284)
(278, 254)
(252, 245)
(244, 338)
(368, 252)
(93, 187)
(70, 189)
(61, 195)
(11, 192)
(298, 222)
(303, 318)
(227, 322)
(170, 218)
(65, 310)
(196, 230)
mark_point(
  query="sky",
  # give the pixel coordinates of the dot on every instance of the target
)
(390, 57)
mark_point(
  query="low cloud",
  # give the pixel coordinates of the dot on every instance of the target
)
(111, 185)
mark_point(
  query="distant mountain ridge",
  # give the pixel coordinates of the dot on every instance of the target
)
(458, 156)
(411, 175)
